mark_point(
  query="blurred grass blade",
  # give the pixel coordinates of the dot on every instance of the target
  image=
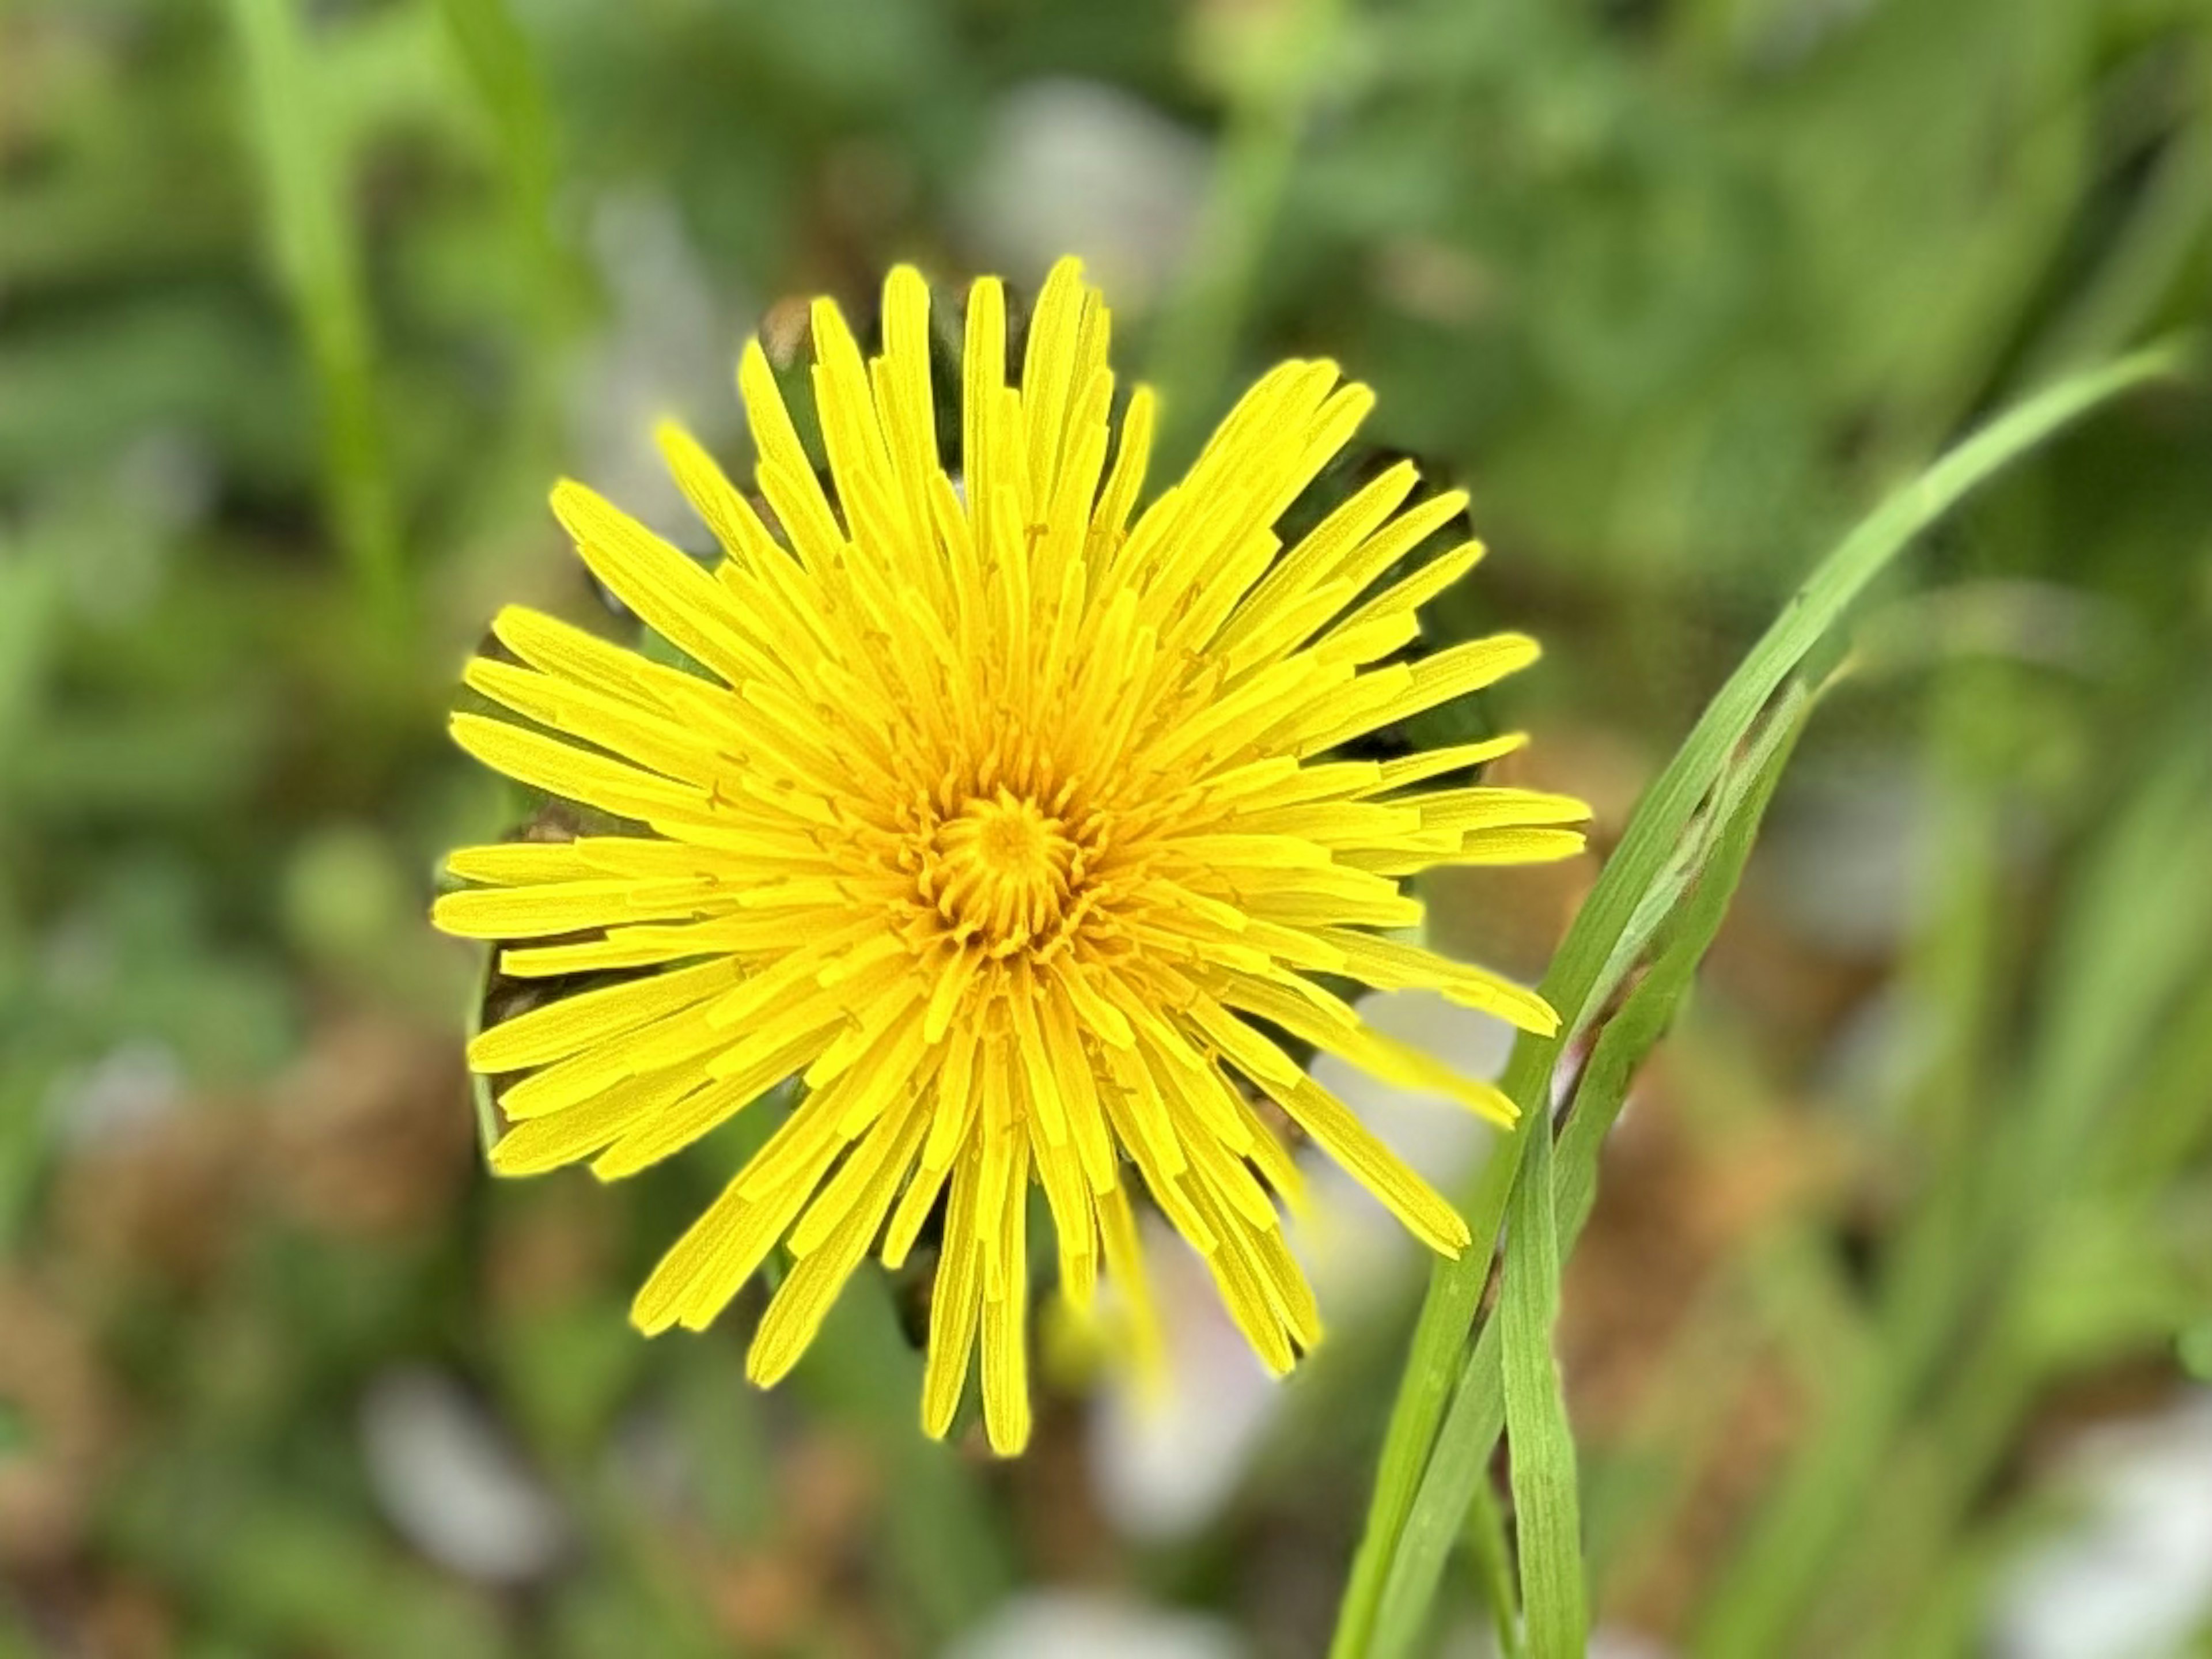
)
(319, 261)
(1645, 853)
(2141, 259)
(2172, 1116)
(2129, 952)
(496, 55)
(503, 70)
(1274, 86)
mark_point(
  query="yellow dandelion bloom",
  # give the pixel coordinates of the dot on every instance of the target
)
(999, 813)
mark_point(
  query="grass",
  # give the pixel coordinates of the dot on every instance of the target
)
(307, 178)
(1608, 935)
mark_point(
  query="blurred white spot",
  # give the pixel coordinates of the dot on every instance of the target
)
(668, 350)
(2134, 1578)
(1781, 37)
(1093, 1625)
(136, 1082)
(448, 1481)
(1163, 1462)
(167, 478)
(1850, 861)
(160, 487)
(1612, 1642)
(1078, 167)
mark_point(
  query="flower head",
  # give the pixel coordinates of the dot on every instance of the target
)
(998, 814)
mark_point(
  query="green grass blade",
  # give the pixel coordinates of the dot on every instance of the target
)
(1643, 857)
(319, 261)
(1546, 1508)
(496, 55)
(1460, 1464)
(1493, 1569)
(490, 1124)
(1719, 849)
(1706, 872)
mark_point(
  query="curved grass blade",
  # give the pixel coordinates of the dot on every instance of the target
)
(1714, 855)
(1575, 985)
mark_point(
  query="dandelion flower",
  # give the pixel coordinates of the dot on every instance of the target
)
(1002, 815)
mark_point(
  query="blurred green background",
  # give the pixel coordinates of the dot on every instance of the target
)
(1893, 1329)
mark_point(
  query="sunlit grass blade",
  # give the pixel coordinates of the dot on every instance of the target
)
(1643, 857)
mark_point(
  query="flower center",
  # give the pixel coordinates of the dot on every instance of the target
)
(1002, 870)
